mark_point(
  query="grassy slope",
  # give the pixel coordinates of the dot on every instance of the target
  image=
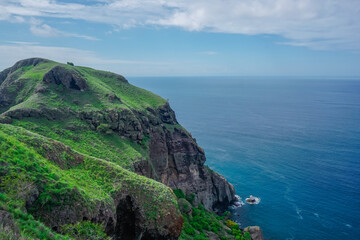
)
(110, 147)
(23, 166)
(101, 84)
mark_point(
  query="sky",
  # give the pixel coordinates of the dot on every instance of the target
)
(187, 37)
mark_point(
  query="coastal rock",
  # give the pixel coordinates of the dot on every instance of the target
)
(255, 232)
(178, 162)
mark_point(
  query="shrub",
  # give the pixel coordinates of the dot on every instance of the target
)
(85, 230)
(179, 193)
(230, 224)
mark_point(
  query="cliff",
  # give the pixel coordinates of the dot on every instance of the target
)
(75, 120)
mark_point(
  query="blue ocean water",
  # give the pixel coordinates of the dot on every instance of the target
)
(293, 142)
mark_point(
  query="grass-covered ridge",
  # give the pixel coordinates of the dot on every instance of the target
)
(110, 147)
(105, 90)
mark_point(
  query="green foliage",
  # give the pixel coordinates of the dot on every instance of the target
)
(29, 227)
(179, 193)
(70, 63)
(84, 230)
(110, 147)
(202, 221)
(230, 223)
(190, 198)
(23, 166)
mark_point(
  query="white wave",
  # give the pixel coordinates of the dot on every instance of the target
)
(348, 225)
(298, 212)
(237, 203)
(316, 215)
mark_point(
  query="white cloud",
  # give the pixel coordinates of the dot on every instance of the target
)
(13, 52)
(43, 30)
(319, 24)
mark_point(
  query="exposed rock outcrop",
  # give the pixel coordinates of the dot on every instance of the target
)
(179, 163)
(69, 78)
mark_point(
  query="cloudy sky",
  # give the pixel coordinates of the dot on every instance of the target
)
(187, 37)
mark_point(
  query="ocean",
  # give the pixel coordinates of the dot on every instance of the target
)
(294, 142)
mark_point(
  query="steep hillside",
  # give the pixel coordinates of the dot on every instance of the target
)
(59, 186)
(92, 133)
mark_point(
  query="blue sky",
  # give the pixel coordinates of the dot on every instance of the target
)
(187, 38)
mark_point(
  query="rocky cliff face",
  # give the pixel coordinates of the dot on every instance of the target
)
(175, 159)
(179, 163)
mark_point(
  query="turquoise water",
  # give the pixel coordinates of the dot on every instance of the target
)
(293, 142)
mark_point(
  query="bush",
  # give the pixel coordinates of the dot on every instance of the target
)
(231, 224)
(179, 193)
(85, 230)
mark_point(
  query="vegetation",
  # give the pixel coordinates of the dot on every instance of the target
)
(85, 230)
(201, 224)
(24, 170)
(109, 146)
(41, 176)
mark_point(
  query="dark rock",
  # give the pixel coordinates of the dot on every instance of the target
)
(3, 75)
(255, 232)
(167, 115)
(32, 196)
(178, 162)
(69, 78)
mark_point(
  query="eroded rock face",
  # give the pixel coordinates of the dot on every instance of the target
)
(70, 79)
(179, 163)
